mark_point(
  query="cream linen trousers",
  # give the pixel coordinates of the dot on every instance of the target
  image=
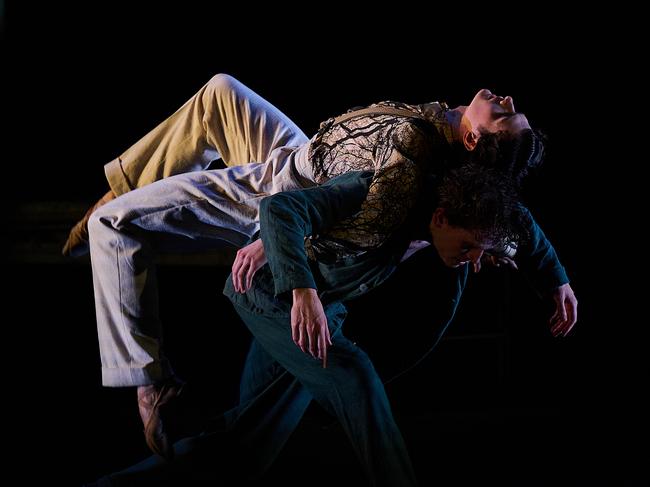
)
(168, 201)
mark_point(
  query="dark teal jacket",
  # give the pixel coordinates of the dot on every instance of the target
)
(287, 218)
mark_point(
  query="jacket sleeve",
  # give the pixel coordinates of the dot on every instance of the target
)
(287, 218)
(538, 260)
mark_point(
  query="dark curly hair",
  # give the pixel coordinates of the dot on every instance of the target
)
(482, 200)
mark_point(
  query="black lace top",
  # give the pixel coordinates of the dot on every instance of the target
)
(399, 149)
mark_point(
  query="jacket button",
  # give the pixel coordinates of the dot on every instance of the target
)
(363, 288)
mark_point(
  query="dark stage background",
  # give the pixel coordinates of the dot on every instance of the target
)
(499, 401)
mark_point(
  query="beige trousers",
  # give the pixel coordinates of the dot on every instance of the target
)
(168, 202)
(225, 119)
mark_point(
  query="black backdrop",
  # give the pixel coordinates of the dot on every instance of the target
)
(499, 398)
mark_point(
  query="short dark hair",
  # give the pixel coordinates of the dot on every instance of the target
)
(480, 199)
(516, 156)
